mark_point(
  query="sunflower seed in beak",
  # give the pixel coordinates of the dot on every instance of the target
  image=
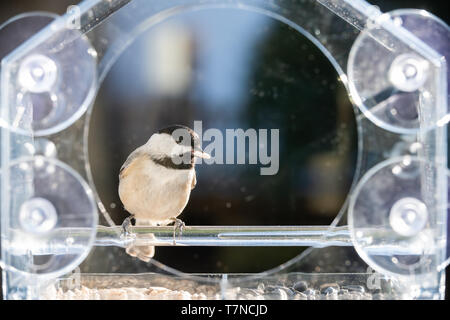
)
(201, 154)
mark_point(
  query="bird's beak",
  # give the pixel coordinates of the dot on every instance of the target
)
(199, 153)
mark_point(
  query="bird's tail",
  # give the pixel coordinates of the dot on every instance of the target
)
(144, 253)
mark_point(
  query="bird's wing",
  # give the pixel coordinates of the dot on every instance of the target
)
(131, 158)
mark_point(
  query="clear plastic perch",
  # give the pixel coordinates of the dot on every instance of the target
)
(63, 239)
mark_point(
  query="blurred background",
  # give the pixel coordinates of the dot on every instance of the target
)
(252, 73)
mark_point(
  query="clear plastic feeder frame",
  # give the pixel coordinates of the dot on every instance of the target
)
(391, 65)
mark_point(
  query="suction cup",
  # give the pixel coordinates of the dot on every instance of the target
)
(47, 198)
(20, 28)
(394, 216)
(428, 28)
(53, 83)
(388, 81)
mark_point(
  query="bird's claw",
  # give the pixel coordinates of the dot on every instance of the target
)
(126, 227)
(178, 227)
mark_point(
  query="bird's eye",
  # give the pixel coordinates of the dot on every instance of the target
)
(180, 139)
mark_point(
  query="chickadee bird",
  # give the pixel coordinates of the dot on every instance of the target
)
(156, 180)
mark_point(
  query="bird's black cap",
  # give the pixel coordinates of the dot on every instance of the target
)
(170, 129)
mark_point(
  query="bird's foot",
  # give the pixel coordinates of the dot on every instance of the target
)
(178, 226)
(126, 233)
